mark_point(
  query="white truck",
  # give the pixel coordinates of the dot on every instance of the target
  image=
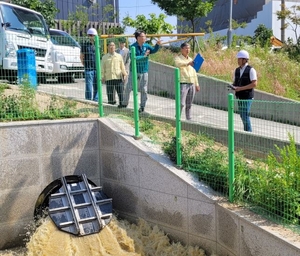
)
(65, 56)
(22, 28)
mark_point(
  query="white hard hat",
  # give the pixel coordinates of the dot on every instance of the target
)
(243, 54)
(92, 31)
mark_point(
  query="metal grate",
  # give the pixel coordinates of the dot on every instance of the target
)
(79, 208)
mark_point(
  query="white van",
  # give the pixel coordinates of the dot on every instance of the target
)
(65, 56)
(23, 28)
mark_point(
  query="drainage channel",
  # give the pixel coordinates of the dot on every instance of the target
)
(75, 205)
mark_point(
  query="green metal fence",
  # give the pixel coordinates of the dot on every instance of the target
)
(260, 170)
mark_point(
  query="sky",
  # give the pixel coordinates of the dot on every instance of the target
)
(137, 7)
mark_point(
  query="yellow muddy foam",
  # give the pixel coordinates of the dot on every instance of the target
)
(119, 238)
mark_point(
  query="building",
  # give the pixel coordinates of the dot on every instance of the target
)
(95, 9)
(254, 13)
(98, 17)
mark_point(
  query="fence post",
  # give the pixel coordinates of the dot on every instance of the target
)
(231, 145)
(178, 122)
(135, 93)
(99, 83)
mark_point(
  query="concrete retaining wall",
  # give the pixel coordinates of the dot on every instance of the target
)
(214, 93)
(32, 155)
(142, 182)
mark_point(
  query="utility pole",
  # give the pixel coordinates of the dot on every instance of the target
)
(230, 25)
(282, 21)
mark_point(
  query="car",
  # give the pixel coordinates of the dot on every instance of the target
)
(65, 56)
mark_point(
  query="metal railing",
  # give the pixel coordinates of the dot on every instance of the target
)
(260, 169)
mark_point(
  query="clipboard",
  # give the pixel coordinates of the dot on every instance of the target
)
(198, 61)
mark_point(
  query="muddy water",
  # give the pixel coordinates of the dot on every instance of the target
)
(119, 238)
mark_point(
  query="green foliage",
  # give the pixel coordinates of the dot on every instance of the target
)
(284, 176)
(116, 30)
(293, 50)
(79, 16)
(18, 107)
(278, 74)
(60, 108)
(190, 10)
(146, 124)
(236, 25)
(47, 8)
(210, 168)
(270, 188)
(23, 105)
(291, 17)
(170, 149)
(3, 87)
(262, 36)
(153, 25)
(165, 55)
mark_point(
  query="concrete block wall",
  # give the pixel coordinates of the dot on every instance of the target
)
(141, 180)
(32, 155)
(214, 93)
(145, 184)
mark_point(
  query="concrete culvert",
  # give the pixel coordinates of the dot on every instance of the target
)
(75, 205)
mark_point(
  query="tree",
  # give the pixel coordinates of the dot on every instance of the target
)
(262, 35)
(190, 10)
(292, 17)
(154, 25)
(47, 8)
(79, 16)
(77, 21)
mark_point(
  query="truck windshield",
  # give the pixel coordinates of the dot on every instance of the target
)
(63, 38)
(23, 21)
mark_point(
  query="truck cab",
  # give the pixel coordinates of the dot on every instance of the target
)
(65, 56)
(23, 28)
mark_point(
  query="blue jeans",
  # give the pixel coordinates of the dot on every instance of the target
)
(91, 85)
(244, 110)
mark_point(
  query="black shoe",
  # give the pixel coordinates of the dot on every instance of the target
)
(122, 106)
(112, 102)
(141, 109)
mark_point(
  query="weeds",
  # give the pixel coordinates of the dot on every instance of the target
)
(277, 73)
(270, 187)
(22, 105)
(60, 108)
(146, 125)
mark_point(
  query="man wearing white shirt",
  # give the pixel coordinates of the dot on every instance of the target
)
(245, 80)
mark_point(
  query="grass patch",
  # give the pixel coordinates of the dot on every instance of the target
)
(268, 186)
(277, 73)
(22, 104)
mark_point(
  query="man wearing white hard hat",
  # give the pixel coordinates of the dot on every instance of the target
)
(245, 80)
(88, 59)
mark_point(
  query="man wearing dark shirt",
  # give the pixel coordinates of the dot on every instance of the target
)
(142, 52)
(88, 59)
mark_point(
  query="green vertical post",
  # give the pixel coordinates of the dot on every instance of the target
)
(99, 78)
(135, 94)
(178, 113)
(231, 145)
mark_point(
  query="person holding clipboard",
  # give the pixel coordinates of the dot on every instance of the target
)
(188, 79)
